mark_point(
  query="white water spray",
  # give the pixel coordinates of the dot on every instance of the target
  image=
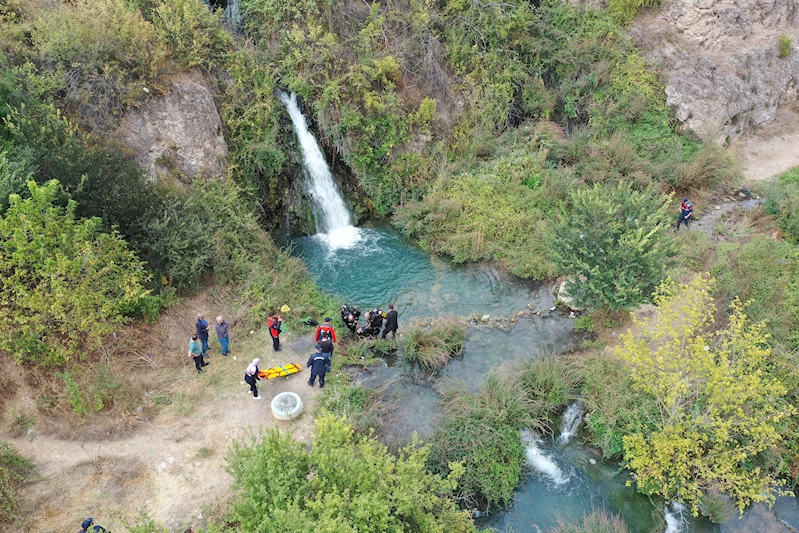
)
(233, 15)
(571, 422)
(675, 522)
(540, 461)
(330, 214)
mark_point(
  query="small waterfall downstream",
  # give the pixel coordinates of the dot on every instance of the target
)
(332, 218)
(541, 462)
(571, 422)
(233, 15)
(675, 522)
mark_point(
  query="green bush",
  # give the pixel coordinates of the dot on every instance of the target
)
(433, 348)
(781, 199)
(612, 243)
(784, 44)
(344, 483)
(63, 282)
(192, 32)
(624, 11)
(359, 405)
(14, 471)
(549, 382)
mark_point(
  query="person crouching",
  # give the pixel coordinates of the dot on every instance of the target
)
(319, 363)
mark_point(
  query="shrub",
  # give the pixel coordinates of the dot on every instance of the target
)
(434, 347)
(624, 11)
(784, 44)
(720, 412)
(345, 482)
(593, 522)
(613, 244)
(14, 471)
(549, 382)
(359, 405)
(63, 281)
(194, 34)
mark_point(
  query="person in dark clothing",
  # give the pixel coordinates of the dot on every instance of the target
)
(196, 353)
(350, 316)
(202, 332)
(223, 335)
(686, 210)
(274, 323)
(318, 363)
(326, 343)
(251, 376)
(374, 321)
(87, 524)
(391, 323)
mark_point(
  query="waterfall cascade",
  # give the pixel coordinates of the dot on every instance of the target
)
(571, 422)
(233, 15)
(333, 221)
(675, 522)
(540, 461)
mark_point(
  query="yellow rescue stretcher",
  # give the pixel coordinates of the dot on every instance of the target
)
(280, 371)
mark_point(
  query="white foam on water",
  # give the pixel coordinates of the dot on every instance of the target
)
(675, 522)
(571, 422)
(540, 461)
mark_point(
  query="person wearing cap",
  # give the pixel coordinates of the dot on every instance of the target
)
(202, 328)
(318, 363)
(274, 323)
(328, 327)
(88, 523)
(391, 323)
(686, 210)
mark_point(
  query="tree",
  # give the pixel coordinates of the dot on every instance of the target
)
(613, 244)
(63, 281)
(720, 410)
(346, 483)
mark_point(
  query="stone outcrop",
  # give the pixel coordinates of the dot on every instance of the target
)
(177, 136)
(721, 60)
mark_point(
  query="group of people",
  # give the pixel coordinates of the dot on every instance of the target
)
(198, 344)
(374, 321)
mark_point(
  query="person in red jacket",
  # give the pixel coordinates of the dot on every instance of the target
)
(274, 323)
(325, 327)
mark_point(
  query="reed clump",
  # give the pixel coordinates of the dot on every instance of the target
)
(433, 348)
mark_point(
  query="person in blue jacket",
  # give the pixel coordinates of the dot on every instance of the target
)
(87, 524)
(319, 363)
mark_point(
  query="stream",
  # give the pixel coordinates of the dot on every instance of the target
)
(373, 266)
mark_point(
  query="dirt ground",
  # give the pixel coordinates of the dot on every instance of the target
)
(774, 149)
(171, 468)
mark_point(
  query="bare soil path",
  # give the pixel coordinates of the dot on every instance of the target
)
(774, 149)
(172, 468)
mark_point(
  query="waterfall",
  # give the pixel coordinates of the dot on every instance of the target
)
(330, 214)
(233, 15)
(540, 461)
(571, 421)
(675, 523)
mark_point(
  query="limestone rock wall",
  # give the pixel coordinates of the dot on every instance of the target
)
(721, 61)
(177, 136)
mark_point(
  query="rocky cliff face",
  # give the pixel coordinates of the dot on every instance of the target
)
(721, 59)
(177, 136)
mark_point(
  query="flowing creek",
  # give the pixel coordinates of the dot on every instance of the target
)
(373, 266)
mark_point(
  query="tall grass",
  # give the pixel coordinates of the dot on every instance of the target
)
(14, 471)
(593, 522)
(433, 348)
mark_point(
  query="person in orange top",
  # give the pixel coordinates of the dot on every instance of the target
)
(325, 327)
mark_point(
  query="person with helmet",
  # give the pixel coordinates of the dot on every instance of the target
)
(350, 316)
(686, 210)
(87, 524)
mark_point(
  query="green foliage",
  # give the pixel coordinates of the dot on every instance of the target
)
(593, 522)
(105, 54)
(782, 200)
(192, 32)
(344, 483)
(612, 243)
(63, 281)
(764, 273)
(624, 11)
(14, 471)
(549, 382)
(481, 431)
(784, 44)
(720, 412)
(433, 348)
(359, 405)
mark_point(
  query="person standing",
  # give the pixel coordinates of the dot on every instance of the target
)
(196, 353)
(326, 327)
(274, 323)
(686, 210)
(202, 332)
(326, 343)
(251, 376)
(391, 323)
(223, 335)
(318, 363)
